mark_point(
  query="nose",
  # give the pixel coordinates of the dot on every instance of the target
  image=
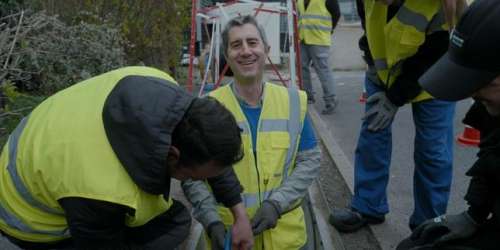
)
(245, 49)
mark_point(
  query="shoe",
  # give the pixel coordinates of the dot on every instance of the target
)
(330, 107)
(310, 99)
(347, 220)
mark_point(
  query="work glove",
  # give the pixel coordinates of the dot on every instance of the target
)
(216, 231)
(451, 227)
(266, 217)
(381, 113)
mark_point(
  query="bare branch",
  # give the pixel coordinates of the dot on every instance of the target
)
(14, 41)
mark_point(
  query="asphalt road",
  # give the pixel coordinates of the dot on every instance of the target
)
(344, 125)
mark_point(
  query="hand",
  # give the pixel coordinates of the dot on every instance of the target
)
(266, 217)
(457, 226)
(453, 10)
(382, 112)
(241, 232)
(216, 231)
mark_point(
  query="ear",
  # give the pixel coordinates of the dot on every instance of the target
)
(173, 156)
(268, 48)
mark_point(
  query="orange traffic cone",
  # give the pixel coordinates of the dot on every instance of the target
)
(470, 137)
(362, 98)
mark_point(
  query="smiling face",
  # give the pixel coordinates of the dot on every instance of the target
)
(246, 53)
(489, 96)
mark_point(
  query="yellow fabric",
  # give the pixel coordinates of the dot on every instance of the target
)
(266, 174)
(394, 41)
(63, 152)
(315, 23)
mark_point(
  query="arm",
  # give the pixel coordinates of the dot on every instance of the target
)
(204, 204)
(98, 224)
(295, 187)
(205, 210)
(406, 86)
(307, 163)
(333, 7)
(226, 188)
(363, 41)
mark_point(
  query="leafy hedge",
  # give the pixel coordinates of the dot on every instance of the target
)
(49, 55)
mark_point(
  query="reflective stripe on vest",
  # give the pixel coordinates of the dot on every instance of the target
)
(411, 18)
(262, 172)
(293, 129)
(314, 27)
(315, 23)
(10, 218)
(391, 42)
(244, 128)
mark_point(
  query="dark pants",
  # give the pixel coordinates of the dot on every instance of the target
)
(165, 231)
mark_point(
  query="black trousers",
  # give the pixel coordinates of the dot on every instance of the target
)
(166, 231)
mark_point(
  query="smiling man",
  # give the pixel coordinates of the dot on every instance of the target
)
(281, 155)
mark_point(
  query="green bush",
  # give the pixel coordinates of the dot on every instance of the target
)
(18, 106)
(49, 55)
(69, 54)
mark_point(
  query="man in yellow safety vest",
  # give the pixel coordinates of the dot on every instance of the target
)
(91, 166)
(281, 154)
(317, 20)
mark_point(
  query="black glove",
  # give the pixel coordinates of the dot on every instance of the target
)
(266, 217)
(451, 227)
(216, 231)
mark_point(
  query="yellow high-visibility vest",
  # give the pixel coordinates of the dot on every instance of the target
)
(279, 128)
(315, 23)
(61, 150)
(392, 42)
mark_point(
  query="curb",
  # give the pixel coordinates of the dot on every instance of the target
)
(340, 161)
(337, 155)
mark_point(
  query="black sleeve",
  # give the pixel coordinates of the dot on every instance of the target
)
(406, 86)
(363, 41)
(482, 188)
(101, 225)
(226, 188)
(96, 224)
(333, 7)
(477, 198)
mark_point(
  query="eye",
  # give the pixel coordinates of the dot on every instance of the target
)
(253, 42)
(236, 45)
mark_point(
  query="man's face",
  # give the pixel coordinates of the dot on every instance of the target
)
(246, 52)
(489, 96)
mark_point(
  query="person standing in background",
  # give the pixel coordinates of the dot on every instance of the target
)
(317, 20)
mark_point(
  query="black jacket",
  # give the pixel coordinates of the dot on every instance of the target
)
(139, 117)
(406, 86)
(483, 194)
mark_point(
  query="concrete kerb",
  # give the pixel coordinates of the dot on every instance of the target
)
(340, 161)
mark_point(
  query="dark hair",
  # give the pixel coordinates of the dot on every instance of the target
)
(208, 131)
(240, 21)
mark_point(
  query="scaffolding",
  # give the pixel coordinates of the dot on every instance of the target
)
(208, 20)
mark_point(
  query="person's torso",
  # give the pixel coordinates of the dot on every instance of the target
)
(315, 23)
(392, 40)
(278, 133)
(63, 151)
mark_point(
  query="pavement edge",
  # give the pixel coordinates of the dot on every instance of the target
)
(340, 161)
